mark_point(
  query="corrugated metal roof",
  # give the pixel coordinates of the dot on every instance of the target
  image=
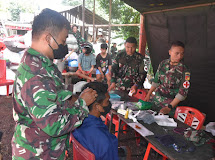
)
(77, 12)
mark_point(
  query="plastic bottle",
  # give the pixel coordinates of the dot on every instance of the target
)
(126, 114)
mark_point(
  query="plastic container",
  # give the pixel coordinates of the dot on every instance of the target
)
(143, 105)
(72, 63)
(114, 97)
(126, 114)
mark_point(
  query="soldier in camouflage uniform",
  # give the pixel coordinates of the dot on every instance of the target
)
(171, 82)
(78, 37)
(128, 68)
(43, 111)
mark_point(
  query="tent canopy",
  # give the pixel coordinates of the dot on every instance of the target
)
(195, 27)
(154, 5)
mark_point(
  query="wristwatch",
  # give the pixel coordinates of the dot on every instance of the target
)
(170, 106)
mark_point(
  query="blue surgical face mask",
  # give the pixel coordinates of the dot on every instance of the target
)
(61, 52)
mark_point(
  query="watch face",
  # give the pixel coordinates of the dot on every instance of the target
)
(170, 106)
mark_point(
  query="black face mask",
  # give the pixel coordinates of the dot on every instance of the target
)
(88, 50)
(60, 52)
(106, 109)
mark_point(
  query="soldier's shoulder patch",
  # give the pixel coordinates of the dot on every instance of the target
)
(186, 84)
(146, 68)
(187, 76)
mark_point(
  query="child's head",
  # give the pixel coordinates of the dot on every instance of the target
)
(87, 49)
(103, 48)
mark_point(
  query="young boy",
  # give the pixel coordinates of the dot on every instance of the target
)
(103, 63)
(86, 62)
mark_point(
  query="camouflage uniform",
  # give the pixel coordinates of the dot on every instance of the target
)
(169, 82)
(79, 39)
(113, 52)
(44, 116)
(128, 70)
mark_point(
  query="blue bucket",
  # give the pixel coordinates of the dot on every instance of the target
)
(73, 63)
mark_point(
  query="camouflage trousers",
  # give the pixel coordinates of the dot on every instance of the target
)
(159, 102)
(124, 86)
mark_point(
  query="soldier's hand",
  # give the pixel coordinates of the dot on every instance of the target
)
(89, 96)
(146, 99)
(112, 87)
(134, 89)
(165, 110)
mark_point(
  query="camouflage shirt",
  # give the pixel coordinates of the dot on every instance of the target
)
(43, 113)
(128, 70)
(79, 39)
(170, 82)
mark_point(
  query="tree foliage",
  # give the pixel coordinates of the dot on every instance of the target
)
(72, 2)
(121, 13)
(15, 7)
(15, 10)
(88, 3)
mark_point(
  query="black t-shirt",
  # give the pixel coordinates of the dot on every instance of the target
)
(103, 62)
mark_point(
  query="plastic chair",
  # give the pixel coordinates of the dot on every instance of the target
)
(190, 116)
(79, 152)
(153, 147)
(115, 121)
(3, 80)
(187, 115)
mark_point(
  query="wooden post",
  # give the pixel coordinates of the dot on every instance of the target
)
(96, 34)
(109, 28)
(142, 36)
(94, 20)
(83, 18)
(70, 18)
(112, 25)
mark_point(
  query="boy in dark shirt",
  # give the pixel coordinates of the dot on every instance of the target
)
(103, 63)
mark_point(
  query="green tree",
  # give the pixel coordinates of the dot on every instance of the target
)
(15, 7)
(121, 13)
(72, 2)
(88, 3)
(15, 10)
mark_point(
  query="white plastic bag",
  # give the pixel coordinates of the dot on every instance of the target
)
(210, 127)
(164, 120)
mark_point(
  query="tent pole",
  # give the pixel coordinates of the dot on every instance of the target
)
(116, 25)
(109, 28)
(94, 20)
(83, 17)
(142, 36)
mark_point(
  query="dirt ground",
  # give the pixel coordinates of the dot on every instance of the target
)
(7, 128)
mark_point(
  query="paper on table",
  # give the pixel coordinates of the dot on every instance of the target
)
(141, 129)
(164, 120)
(116, 104)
